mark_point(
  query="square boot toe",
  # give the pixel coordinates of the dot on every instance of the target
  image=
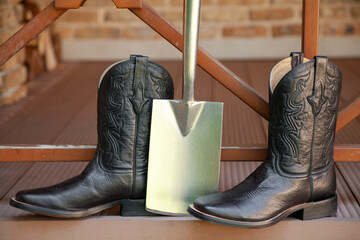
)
(218, 205)
(37, 197)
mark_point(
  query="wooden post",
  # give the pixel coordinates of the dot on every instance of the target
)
(310, 28)
(64, 153)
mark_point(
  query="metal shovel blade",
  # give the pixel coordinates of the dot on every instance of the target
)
(183, 166)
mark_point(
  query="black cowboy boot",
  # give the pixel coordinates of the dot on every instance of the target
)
(118, 171)
(298, 176)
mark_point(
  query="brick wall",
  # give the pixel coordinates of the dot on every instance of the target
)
(221, 20)
(13, 73)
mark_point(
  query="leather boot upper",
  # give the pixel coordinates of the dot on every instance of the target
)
(119, 168)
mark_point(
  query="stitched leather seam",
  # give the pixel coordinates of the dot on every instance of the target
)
(134, 156)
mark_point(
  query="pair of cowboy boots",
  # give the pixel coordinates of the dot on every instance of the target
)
(117, 173)
(298, 176)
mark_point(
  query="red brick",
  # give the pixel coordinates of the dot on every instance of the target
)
(9, 1)
(299, 2)
(140, 33)
(80, 16)
(223, 15)
(242, 2)
(156, 2)
(245, 31)
(10, 15)
(272, 14)
(333, 12)
(203, 2)
(98, 32)
(120, 15)
(18, 58)
(6, 33)
(64, 30)
(172, 15)
(286, 30)
(12, 79)
(355, 12)
(208, 32)
(341, 29)
(15, 96)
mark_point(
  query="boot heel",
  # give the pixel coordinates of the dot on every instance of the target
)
(324, 208)
(134, 207)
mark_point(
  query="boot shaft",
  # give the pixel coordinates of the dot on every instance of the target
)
(125, 94)
(303, 112)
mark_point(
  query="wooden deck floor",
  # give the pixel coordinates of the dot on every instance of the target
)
(61, 109)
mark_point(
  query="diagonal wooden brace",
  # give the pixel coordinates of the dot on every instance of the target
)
(348, 113)
(28, 32)
(207, 62)
(73, 4)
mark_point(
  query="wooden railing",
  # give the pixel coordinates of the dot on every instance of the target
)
(310, 34)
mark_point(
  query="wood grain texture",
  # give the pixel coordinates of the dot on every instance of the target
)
(310, 28)
(29, 31)
(68, 4)
(128, 3)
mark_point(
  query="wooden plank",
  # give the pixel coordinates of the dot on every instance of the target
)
(238, 117)
(347, 204)
(342, 153)
(348, 113)
(28, 32)
(55, 109)
(68, 4)
(207, 62)
(175, 228)
(350, 172)
(18, 224)
(259, 71)
(47, 153)
(128, 3)
(310, 28)
(350, 79)
(10, 173)
(81, 130)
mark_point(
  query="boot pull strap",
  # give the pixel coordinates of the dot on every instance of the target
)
(138, 99)
(297, 58)
(317, 98)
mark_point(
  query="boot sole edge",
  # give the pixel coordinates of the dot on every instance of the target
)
(303, 211)
(129, 207)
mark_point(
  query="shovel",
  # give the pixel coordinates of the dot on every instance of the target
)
(185, 137)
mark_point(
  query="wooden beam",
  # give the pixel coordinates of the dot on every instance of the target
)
(35, 227)
(207, 62)
(36, 25)
(347, 152)
(348, 113)
(128, 3)
(310, 28)
(69, 4)
(29, 153)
